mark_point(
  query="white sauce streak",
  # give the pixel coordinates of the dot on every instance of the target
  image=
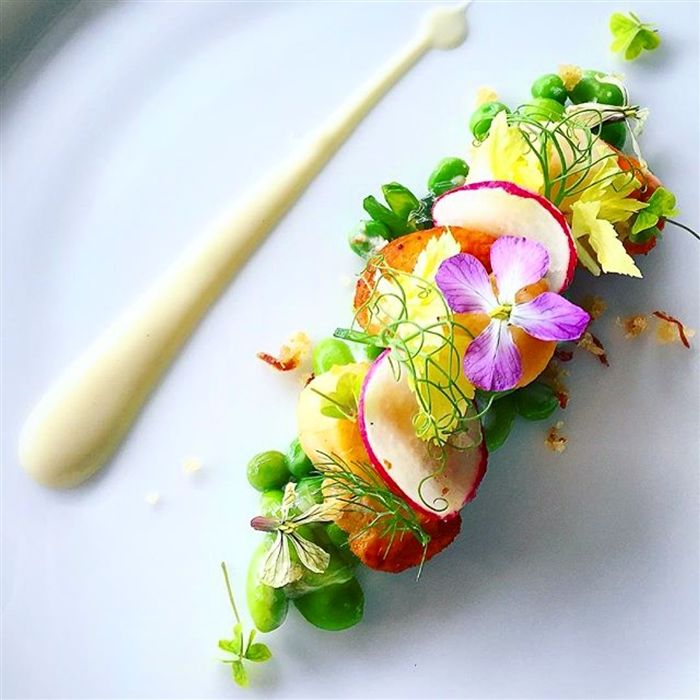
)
(82, 419)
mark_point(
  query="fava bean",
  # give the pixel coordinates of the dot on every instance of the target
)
(268, 470)
(335, 607)
(331, 352)
(299, 464)
(448, 174)
(267, 606)
(481, 118)
(550, 86)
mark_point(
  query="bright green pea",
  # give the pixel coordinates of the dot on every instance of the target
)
(544, 109)
(448, 174)
(299, 464)
(481, 118)
(550, 86)
(590, 89)
(613, 133)
(335, 607)
(268, 470)
(309, 492)
(368, 238)
(400, 199)
(271, 503)
(498, 422)
(536, 401)
(267, 606)
(339, 538)
(331, 352)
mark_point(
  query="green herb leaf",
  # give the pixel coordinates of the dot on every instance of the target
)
(342, 403)
(232, 646)
(240, 675)
(258, 653)
(498, 422)
(631, 36)
(661, 204)
(400, 199)
(536, 401)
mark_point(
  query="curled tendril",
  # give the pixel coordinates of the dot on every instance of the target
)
(430, 357)
(570, 145)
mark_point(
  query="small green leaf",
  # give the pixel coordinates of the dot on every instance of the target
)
(631, 36)
(661, 204)
(498, 422)
(240, 675)
(536, 401)
(400, 200)
(331, 411)
(258, 653)
(251, 638)
(232, 646)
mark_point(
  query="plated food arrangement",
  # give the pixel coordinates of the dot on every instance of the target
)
(460, 320)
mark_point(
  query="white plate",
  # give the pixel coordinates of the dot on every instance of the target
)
(124, 131)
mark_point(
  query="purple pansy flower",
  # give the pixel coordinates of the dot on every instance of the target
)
(492, 361)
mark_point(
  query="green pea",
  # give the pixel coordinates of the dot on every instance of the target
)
(448, 174)
(331, 352)
(613, 133)
(299, 464)
(481, 118)
(368, 238)
(335, 607)
(268, 470)
(373, 351)
(393, 222)
(590, 89)
(309, 492)
(550, 86)
(498, 422)
(644, 236)
(536, 401)
(544, 109)
(400, 199)
(267, 606)
(271, 503)
(339, 538)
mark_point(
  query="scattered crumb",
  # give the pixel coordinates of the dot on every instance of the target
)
(671, 330)
(291, 354)
(192, 465)
(553, 376)
(153, 498)
(555, 441)
(345, 281)
(633, 326)
(596, 306)
(591, 344)
(570, 75)
(485, 94)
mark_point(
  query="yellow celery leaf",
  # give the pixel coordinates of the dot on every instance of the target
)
(505, 155)
(602, 237)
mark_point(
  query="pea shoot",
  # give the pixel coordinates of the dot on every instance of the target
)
(631, 36)
(241, 650)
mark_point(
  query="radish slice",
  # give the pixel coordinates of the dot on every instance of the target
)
(504, 209)
(386, 410)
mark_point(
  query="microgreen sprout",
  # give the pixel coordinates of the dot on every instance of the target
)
(631, 36)
(240, 649)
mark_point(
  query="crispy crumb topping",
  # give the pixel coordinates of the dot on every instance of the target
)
(555, 441)
(595, 305)
(485, 94)
(291, 354)
(591, 344)
(671, 330)
(571, 75)
(633, 326)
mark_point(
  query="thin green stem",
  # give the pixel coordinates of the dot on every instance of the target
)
(229, 590)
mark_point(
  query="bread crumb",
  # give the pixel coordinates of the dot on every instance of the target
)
(555, 441)
(485, 94)
(633, 326)
(291, 355)
(153, 498)
(591, 344)
(192, 465)
(571, 75)
(595, 305)
(671, 330)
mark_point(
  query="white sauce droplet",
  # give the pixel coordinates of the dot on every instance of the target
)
(80, 422)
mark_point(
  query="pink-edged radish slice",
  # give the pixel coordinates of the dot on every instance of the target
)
(386, 410)
(504, 209)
